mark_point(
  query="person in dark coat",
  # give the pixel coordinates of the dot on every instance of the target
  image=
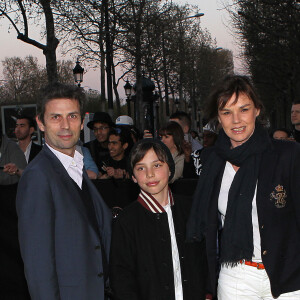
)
(251, 184)
(149, 256)
(63, 223)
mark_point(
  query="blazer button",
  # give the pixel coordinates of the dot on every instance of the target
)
(265, 252)
(100, 275)
(157, 216)
(97, 247)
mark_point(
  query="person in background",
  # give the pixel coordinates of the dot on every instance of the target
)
(192, 160)
(64, 224)
(12, 161)
(250, 184)
(119, 145)
(149, 256)
(98, 147)
(127, 122)
(295, 119)
(172, 136)
(88, 162)
(24, 130)
(281, 134)
(184, 120)
(195, 135)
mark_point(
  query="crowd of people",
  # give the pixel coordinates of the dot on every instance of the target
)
(236, 238)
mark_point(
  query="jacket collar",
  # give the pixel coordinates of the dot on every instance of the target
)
(151, 204)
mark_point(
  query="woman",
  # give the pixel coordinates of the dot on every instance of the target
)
(252, 183)
(172, 136)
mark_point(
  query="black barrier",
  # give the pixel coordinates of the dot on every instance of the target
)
(12, 279)
(122, 192)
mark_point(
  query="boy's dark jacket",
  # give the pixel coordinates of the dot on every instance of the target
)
(141, 259)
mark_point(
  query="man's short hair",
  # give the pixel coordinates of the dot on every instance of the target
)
(183, 117)
(30, 120)
(124, 134)
(59, 91)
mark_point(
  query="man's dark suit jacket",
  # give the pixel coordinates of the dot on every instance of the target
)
(278, 209)
(34, 151)
(60, 247)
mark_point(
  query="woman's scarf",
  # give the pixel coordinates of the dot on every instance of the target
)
(237, 234)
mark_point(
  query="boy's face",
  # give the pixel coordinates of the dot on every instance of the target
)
(152, 175)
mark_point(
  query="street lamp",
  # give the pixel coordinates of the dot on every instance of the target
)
(128, 90)
(78, 73)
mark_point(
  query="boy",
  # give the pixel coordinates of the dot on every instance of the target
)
(149, 256)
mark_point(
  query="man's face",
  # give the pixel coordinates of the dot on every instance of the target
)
(209, 138)
(115, 147)
(280, 135)
(101, 131)
(62, 125)
(22, 130)
(295, 114)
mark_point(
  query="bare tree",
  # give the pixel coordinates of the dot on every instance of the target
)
(22, 14)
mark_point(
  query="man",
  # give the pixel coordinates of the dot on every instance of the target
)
(192, 160)
(119, 144)
(281, 134)
(295, 119)
(24, 129)
(12, 161)
(184, 120)
(64, 225)
(101, 125)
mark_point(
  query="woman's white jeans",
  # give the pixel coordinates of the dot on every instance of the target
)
(245, 282)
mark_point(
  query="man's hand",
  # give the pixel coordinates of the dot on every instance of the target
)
(12, 169)
(187, 150)
(119, 174)
(110, 171)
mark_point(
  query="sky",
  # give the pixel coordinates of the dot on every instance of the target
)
(215, 19)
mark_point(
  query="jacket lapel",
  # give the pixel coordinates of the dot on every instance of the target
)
(69, 184)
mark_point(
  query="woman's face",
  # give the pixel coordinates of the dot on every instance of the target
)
(168, 140)
(238, 119)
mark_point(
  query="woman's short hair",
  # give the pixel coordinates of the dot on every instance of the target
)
(230, 85)
(174, 129)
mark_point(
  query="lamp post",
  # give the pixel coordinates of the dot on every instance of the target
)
(156, 111)
(128, 90)
(78, 73)
(176, 101)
